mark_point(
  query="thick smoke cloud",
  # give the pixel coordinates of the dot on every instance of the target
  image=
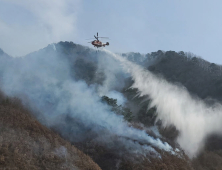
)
(175, 106)
(44, 80)
(114, 73)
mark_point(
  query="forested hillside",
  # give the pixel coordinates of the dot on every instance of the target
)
(67, 93)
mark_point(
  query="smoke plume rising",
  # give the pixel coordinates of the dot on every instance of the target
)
(44, 80)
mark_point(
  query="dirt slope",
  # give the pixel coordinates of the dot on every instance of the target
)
(26, 144)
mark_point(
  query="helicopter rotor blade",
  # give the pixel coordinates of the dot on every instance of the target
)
(97, 34)
(104, 37)
(89, 39)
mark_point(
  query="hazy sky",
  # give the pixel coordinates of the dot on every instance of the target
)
(140, 26)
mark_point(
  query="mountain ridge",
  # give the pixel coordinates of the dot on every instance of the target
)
(98, 69)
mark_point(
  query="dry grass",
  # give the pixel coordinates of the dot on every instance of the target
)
(115, 159)
(168, 162)
(26, 144)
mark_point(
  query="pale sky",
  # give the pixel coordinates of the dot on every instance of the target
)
(132, 25)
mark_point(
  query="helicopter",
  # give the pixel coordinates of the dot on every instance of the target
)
(97, 43)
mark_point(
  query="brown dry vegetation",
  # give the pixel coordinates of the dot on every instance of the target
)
(168, 162)
(109, 159)
(26, 144)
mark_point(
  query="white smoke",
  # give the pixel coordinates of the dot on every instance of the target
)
(44, 79)
(175, 106)
(118, 96)
(113, 72)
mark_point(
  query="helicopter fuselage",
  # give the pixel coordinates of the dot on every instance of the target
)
(98, 43)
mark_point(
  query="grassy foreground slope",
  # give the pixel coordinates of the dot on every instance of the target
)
(26, 144)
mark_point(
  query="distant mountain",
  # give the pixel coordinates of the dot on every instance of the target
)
(143, 59)
(197, 75)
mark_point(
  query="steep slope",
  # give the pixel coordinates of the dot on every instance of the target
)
(38, 79)
(26, 144)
